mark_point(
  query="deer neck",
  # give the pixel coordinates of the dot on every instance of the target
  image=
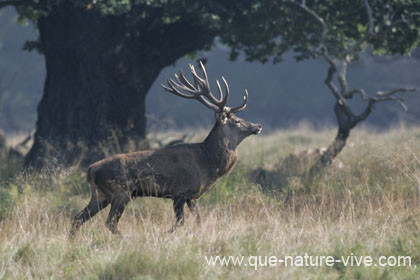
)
(219, 152)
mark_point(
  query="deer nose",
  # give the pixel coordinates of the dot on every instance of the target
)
(258, 130)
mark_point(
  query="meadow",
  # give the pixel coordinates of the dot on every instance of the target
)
(365, 204)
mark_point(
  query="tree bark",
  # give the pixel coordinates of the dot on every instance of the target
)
(335, 148)
(346, 122)
(99, 69)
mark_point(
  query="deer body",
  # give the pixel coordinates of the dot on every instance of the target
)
(181, 172)
(186, 170)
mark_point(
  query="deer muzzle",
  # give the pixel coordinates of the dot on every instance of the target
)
(256, 128)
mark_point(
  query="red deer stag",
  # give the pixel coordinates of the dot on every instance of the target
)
(181, 172)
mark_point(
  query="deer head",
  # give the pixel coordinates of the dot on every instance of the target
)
(227, 124)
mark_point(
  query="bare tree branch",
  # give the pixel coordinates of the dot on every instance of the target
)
(370, 32)
(379, 97)
(341, 70)
(359, 91)
(365, 113)
(328, 81)
(394, 91)
(324, 32)
(321, 49)
(403, 19)
(336, 65)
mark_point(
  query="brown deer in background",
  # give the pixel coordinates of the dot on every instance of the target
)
(181, 172)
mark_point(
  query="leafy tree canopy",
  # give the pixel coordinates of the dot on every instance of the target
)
(163, 12)
(150, 15)
(265, 29)
(270, 28)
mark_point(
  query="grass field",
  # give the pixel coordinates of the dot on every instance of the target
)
(366, 206)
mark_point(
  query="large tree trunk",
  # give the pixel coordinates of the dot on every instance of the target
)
(335, 148)
(99, 69)
(346, 122)
(327, 157)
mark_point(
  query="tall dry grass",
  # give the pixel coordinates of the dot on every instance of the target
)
(368, 205)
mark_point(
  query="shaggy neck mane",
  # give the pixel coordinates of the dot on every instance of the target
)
(219, 152)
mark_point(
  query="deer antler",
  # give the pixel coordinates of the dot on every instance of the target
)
(201, 91)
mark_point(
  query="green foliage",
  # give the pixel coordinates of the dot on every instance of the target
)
(32, 45)
(165, 12)
(265, 30)
(268, 29)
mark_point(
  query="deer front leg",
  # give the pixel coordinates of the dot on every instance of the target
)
(193, 206)
(179, 203)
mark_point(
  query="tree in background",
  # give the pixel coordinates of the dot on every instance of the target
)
(346, 118)
(337, 31)
(101, 59)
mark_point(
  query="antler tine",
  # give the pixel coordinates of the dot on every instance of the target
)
(185, 81)
(241, 107)
(182, 85)
(172, 89)
(195, 75)
(222, 100)
(220, 92)
(198, 80)
(201, 90)
(225, 99)
(203, 69)
(204, 84)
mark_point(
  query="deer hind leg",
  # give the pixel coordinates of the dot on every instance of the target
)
(98, 202)
(118, 204)
(193, 206)
(179, 203)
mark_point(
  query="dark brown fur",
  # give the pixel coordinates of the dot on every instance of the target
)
(182, 172)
